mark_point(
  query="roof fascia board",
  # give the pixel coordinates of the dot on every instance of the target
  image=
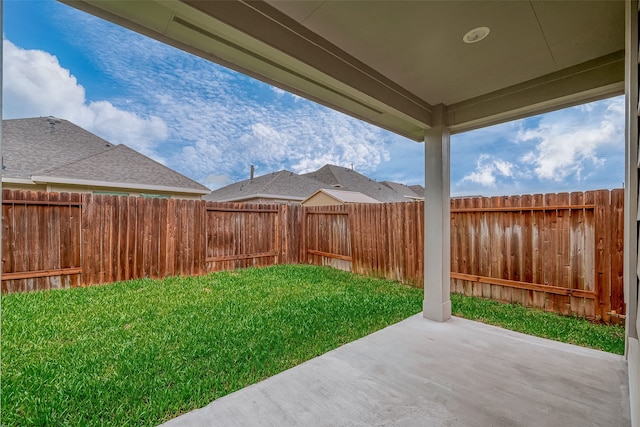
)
(383, 104)
(132, 186)
(10, 180)
(590, 81)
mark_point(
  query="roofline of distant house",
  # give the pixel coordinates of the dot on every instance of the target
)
(261, 195)
(132, 186)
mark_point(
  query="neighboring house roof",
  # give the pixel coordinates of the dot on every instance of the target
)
(286, 185)
(283, 185)
(123, 165)
(344, 196)
(404, 190)
(418, 189)
(350, 180)
(51, 150)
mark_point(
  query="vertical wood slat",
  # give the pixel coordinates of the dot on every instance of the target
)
(602, 263)
(563, 263)
(590, 253)
(526, 236)
(549, 251)
(576, 241)
(616, 252)
(539, 298)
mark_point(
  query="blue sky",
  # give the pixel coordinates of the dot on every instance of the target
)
(211, 124)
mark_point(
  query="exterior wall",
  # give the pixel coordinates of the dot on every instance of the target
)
(322, 199)
(85, 189)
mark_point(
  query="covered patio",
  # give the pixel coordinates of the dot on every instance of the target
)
(425, 373)
(425, 70)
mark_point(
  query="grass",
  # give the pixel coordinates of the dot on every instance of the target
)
(144, 351)
(573, 330)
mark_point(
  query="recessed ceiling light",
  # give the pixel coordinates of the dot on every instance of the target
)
(476, 35)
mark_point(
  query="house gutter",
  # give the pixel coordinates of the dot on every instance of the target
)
(9, 180)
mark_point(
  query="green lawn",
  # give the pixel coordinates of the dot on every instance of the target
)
(572, 330)
(142, 352)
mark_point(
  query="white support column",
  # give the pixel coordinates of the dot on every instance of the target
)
(437, 220)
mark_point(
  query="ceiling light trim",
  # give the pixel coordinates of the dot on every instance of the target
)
(475, 35)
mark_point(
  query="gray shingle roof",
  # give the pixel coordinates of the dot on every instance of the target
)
(123, 165)
(404, 190)
(288, 185)
(350, 180)
(30, 146)
(418, 189)
(283, 185)
(56, 149)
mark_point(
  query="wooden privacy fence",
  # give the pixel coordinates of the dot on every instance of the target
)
(560, 252)
(378, 240)
(241, 235)
(53, 241)
(40, 241)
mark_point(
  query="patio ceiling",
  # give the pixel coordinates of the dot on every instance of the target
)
(390, 62)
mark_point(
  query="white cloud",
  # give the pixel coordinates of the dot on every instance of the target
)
(575, 149)
(35, 84)
(217, 181)
(278, 91)
(571, 143)
(489, 170)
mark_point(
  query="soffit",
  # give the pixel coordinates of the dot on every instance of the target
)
(418, 44)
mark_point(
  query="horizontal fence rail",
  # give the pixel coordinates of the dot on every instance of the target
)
(559, 252)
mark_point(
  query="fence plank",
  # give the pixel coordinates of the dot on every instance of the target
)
(615, 253)
(563, 263)
(577, 244)
(602, 261)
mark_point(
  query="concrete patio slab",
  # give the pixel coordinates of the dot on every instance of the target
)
(424, 373)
